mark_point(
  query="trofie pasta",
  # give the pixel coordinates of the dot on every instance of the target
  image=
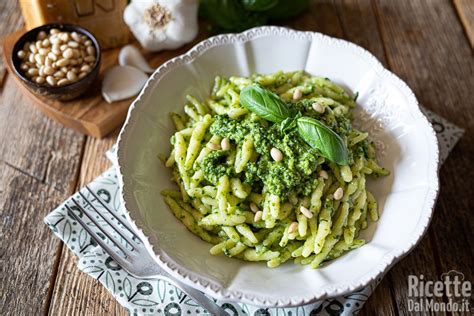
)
(269, 168)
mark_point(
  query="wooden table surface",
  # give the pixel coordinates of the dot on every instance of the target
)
(428, 43)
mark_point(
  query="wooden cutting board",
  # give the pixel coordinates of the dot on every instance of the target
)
(89, 114)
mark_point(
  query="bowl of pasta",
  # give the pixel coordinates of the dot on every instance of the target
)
(277, 167)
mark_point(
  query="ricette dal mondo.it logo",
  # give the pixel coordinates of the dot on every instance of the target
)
(427, 295)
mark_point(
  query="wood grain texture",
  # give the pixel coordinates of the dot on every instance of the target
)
(36, 145)
(465, 9)
(28, 248)
(10, 21)
(76, 293)
(425, 45)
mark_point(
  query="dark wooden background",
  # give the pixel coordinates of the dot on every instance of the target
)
(428, 43)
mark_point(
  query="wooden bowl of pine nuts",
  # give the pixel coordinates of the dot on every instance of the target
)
(58, 61)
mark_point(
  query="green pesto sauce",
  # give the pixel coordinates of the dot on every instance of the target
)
(292, 174)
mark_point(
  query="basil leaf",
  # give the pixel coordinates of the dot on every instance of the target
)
(265, 104)
(259, 5)
(321, 137)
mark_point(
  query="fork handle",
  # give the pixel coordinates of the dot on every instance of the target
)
(199, 298)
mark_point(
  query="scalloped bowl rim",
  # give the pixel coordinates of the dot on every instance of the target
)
(325, 291)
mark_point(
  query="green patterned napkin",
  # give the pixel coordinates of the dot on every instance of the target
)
(158, 297)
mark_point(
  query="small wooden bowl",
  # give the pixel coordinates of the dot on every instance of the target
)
(62, 93)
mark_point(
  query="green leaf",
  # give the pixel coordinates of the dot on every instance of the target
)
(265, 104)
(259, 5)
(230, 15)
(321, 137)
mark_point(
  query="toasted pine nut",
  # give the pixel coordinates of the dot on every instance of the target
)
(213, 146)
(297, 94)
(306, 212)
(293, 227)
(258, 216)
(86, 68)
(276, 154)
(318, 107)
(225, 144)
(254, 207)
(338, 194)
(323, 174)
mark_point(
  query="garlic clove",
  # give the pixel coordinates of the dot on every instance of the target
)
(130, 56)
(122, 82)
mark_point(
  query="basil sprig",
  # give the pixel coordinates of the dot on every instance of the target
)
(269, 106)
(265, 104)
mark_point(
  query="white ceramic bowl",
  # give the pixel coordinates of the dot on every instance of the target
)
(389, 111)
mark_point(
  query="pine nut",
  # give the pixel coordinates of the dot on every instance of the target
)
(63, 82)
(21, 54)
(90, 50)
(33, 48)
(42, 35)
(32, 72)
(63, 47)
(89, 59)
(293, 227)
(43, 51)
(297, 94)
(54, 31)
(88, 43)
(59, 74)
(338, 194)
(276, 154)
(51, 80)
(254, 207)
(258, 216)
(48, 70)
(45, 43)
(73, 44)
(52, 56)
(213, 146)
(68, 53)
(24, 66)
(306, 212)
(62, 62)
(318, 107)
(75, 36)
(225, 144)
(82, 75)
(71, 76)
(39, 80)
(323, 174)
(86, 68)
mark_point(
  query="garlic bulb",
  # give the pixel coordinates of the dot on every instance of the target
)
(162, 24)
(122, 82)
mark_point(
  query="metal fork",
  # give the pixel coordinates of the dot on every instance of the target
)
(136, 261)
